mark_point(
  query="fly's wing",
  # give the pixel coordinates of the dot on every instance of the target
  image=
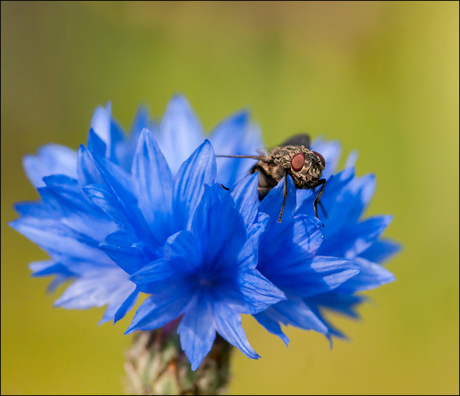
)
(302, 139)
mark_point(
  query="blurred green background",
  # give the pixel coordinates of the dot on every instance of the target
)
(380, 77)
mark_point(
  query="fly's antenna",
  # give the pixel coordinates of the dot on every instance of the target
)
(256, 157)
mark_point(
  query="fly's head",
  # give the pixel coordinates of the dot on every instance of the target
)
(303, 165)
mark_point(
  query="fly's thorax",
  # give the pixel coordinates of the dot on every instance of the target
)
(302, 164)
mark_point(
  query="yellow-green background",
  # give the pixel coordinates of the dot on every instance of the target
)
(380, 77)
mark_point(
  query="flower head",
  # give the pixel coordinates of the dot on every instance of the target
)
(207, 273)
(346, 235)
(70, 227)
(288, 256)
(147, 213)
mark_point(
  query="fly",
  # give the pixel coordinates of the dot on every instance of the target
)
(293, 158)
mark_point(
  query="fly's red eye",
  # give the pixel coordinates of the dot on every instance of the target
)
(321, 158)
(297, 162)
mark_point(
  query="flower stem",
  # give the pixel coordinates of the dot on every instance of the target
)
(156, 365)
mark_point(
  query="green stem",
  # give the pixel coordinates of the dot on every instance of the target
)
(156, 365)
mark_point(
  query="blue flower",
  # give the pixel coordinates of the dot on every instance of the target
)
(347, 235)
(195, 252)
(146, 213)
(288, 257)
(322, 268)
(67, 225)
(207, 274)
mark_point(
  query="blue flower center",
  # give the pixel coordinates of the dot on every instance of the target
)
(206, 282)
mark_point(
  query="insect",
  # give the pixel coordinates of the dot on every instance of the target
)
(293, 158)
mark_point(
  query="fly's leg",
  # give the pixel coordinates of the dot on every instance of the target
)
(318, 197)
(322, 208)
(225, 188)
(285, 194)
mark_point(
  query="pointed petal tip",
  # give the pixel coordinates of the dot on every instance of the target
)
(82, 149)
(146, 134)
(285, 339)
(207, 144)
(178, 96)
(178, 101)
(129, 330)
(104, 320)
(13, 224)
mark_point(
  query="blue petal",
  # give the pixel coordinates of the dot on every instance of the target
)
(121, 185)
(273, 202)
(245, 195)
(248, 255)
(351, 159)
(71, 207)
(100, 122)
(235, 136)
(277, 248)
(95, 144)
(228, 325)
(196, 330)
(306, 278)
(96, 289)
(59, 280)
(371, 276)
(296, 313)
(258, 292)
(126, 149)
(51, 159)
(49, 267)
(292, 242)
(356, 239)
(156, 271)
(58, 239)
(160, 309)
(87, 169)
(122, 301)
(180, 132)
(34, 209)
(352, 200)
(271, 325)
(335, 185)
(307, 234)
(381, 250)
(68, 190)
(335, 271)
(103, 197)
(182, 247)
(154, 186)
(126, 251)
(219, 228)
(331, 330)
(117, 143)
(339, 302)
(126, 306)
(141, 121)
(198, 170)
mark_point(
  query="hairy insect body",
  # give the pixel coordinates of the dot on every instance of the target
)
(278, 161)
(293, 158)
